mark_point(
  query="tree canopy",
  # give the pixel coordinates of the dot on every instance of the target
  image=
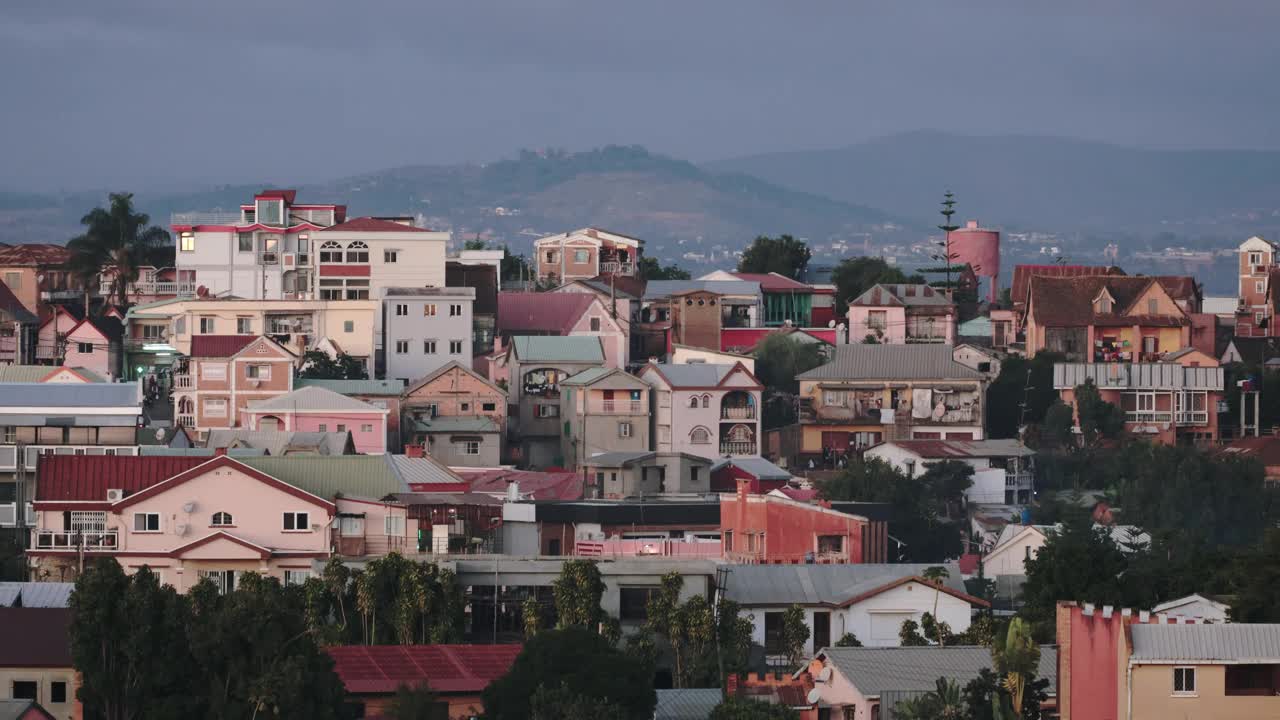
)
(854, 276)
(649, 269)
(746, 709)
(689, 631)
(1021, 378)
(779, 359)
(319, 365)
(119, 238)
(784, 255)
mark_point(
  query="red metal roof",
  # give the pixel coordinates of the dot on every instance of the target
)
(219, 346)
(382, 669)
(800, 494)
(86, 478)
(564, 485)
(372, 224)
(773, 282)
(35, 637)
(34, 254)
(522, 312)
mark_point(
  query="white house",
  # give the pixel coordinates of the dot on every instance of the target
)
(1019, 543)
(869, 600)
(1202, 607)
(1003, 469)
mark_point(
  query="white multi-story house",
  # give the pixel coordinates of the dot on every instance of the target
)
(426, 328)
(706, 410)
(276, 248)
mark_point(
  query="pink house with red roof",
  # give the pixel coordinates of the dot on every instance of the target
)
(225, 373)
(455, 674)
(564, 314)
(66, 338)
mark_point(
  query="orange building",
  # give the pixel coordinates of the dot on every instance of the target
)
(770, 529)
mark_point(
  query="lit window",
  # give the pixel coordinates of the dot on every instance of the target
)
(429, 310)
(187, 242)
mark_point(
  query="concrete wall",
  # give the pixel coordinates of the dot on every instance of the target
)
(441, 448)
(45, 678)
(416, 327)
(1153, 697)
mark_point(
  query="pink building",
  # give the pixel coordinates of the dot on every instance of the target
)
(567, 314)
(898, 314)
(315, 409)
(224, 374)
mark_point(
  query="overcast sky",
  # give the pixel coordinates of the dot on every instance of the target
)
(177, 93)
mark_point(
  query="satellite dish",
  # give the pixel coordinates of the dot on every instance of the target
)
(189, 507)
(814, 696)
(159, 433)
(824, 675)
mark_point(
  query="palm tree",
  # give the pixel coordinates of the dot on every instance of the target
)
(935, 575)
(119, 238)
(943, 703)
(1016, 660)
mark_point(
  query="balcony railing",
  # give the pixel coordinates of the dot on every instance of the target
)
(738, 413)
(1192, 417)
(646, 548)
(613, 266)
(164, 287)
(213, 217)
(29, 458)
(366, 545)
(183, 382)
(186, 421)
(1148, 416)
(68, 540)
(737, 448)
(621, 407)
(1019, 480)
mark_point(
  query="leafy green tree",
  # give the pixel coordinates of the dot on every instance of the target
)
(779, 359)
(583, 662)
(1077, 562)
(794, 635)
(689, 629)
(1256, 577)
(854, 276)
(944, 702)
(317, 365)
(531, 617)
(746, 709)
(1099, 419)
(561, 703)
(909, 634)
(403, 601)
(1020, 381)
(119, 238)
(416, 703)
(1058, 429)
(475, 243)
(1016, 660)
(986, 699)
(649, 269)
(515, 267)
(577, 593)
(848, 640)
(784, 255)
(936, 576)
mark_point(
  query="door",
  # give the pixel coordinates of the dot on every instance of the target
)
(885, 627)
(821, 630)
(838, 441)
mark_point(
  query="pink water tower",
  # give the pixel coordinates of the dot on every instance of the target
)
(979, 247)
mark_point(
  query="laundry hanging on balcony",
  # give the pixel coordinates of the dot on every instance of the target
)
(921, 403)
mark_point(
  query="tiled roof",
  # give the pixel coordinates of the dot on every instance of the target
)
(13, 306)
(1068, 302)
(687, 703)
(35, 637)
(382, 669)
(879, 670)
(1022, 275)
(892, 362)
(785, 585)
(372, 224)
(662, 289)
(352, 387)
(1179, 287)
(311, 398)
(1230, 642)
(800, 494)
(219, 346)
(522, 312)
(902, 295)
(773, 282)
(33, 254)
(35, 594)
(573, 349)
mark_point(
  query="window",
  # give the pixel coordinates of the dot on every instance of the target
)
(146, 522)
(773, 633)
(296, 577)
(357, 252)
(624, 429)
(595, 324)
(429, 347)
(455, 347)
(213, 371)
(693, 475)
(152, 332)
(58, 691)
(224, 580)
(187, 242)
(728, 540)
(833, 398)
(633, 605)
(25, 689)
(258, 372)
(429, 310)
(324, 427)
(402, 347)
(1255, 258)
(366, 427)
(1104, 305)
(547, 411)
(331, 252)
(297, 521)
(552, 256)
(215, 407)
(393, 525)
(1150, 343)
(270, 212)
(1184, 681)
(581, 256)
(487, 407)
(244, 326)
(706, 401)
(466, 407)
(348, 326)
(468, 447)
(246, 242)
(693, 401)
(455, 310)
(207, 325)
(830, 544)
(876, 319)
(1153, 306)
(1259, 286)
(84, 348)
(9, 434)
(390, 256)
(821, 630)
(402, 310)
(341, 427)
(700, 436)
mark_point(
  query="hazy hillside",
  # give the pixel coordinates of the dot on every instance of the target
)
(1040, 182)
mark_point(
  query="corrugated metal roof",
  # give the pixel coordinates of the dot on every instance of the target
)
(1230, 642)
(162, 451)
(901, 294)
(70, 395)
(662, 289)
(686, 703)
(784, 585)
(363, 476)
(693, 374)
(588, 376)
(35, 594)
(876, 671)
(541, 312)
(219, 346)
(618, 458)
(960, 448)
(281, 442)
(383, 669)
(892, 362)
(757, 466)
(552, 348)
(36, 373)
(88, 477)
(414, 470)
(1138, 376)
(476, 424)
(311, 398)
(353, 387)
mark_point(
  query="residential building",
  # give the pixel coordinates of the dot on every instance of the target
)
(383, 394)
(1168, 402)
(695, 319)
(458, 416)
(869, 601)
(1021, 286)
(315, 409)
(425, 329)
(980, 358)
(36, 274)
(761, 475)
(604, 410)
(740, 300)
(1017, 544)
(1003, 470)
(1109, 318)
(480, 271)
(586, 253)
(660, 324)
(563, 314)
(768, 529)
(153, 284)
(188, 518)
(536, 365)
(40, 420)
(653, 526)
(456, 675)
(747, 340)
(1256, 260)
(784, 301)
(48, 374)
(707, 410)
(94, 343)
(1251, 351)
(278, 249)
(52, 335)
(871, 393)
(37, 679)
(686, 355)
(223, 374)
(18, 329)
(624, 474)
(867, 682)
(902, 313)
(620, 294)
(1213, 609)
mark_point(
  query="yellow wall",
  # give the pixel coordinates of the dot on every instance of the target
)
(328, 319)
(1153, 697)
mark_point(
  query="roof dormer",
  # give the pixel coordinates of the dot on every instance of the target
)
(1104, 303)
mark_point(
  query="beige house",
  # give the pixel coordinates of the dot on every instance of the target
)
(604, 410)
(1200, 671)
(706, 410)
(536, 366)
(35, 661)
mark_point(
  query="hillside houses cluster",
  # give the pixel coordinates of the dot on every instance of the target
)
(501, 431)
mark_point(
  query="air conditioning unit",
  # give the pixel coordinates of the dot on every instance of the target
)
(189, 507)
(115, 495)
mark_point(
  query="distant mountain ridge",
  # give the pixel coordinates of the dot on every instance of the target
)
(1035, 181)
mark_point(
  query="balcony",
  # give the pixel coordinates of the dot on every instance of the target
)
(731, 447)
(150, 288)
(183, 382)
(105, 541)
(1192, 417)
(738, 413)
(213, 217)
(615, 547)
(63, 294)
(617, 268)
(1150, 416)
(186, 421)
(29, 458)
(621, 407)
(369, 545)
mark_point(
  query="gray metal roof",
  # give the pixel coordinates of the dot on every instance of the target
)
(756, 465)
(421, 470)
(35, 594)
(447, 292)
(778, 585)
(558, 348)
(36, 373)
(1138, 376)
(163, 451)
(693, 374)
(311, 398)
(662, 289)
(686, 703)
(1230, 642)
(588, 376)
(457, 424)
(892, 362)
(961, 448)
(353, 387)
(282, 442)
(876, 671)
(70, 395)
(362, 476)
(910, 295)
(15, 709)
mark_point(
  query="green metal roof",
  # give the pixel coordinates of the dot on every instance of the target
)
(353, 387)
(586, 377)
(558, 348)
(456, 424)
(363, 476)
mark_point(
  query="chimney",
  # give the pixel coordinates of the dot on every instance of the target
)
(744, 488)
(414, 451)
(220, 452)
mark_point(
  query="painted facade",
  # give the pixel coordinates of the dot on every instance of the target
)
(586, 253)
(707, 410)
(214, 386)
(425, 329)
(314, 409)
(460, 396)
(768, 529)
(604, 410)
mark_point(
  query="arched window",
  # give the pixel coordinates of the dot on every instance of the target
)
(706, 401)
(693, 401)
(330, 252)
(357, 252)
(222, 519)
(700, 436)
